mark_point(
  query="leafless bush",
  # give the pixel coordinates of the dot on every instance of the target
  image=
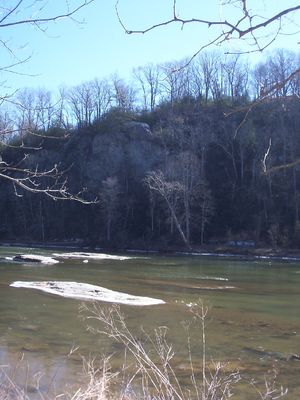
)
(149, 371)
(99, 382)
(269, 389)
(9, 389)
(151, 360)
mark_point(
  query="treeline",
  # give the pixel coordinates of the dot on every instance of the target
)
(180, 166)
(211, 76)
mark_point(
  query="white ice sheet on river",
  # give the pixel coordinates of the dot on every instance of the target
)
(32, 258)
(91, 256)
(86, 291)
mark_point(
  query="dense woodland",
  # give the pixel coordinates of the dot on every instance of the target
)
(186, 154)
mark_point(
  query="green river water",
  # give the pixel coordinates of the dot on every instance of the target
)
(260, 312)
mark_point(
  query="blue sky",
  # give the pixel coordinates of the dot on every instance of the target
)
(70, 53)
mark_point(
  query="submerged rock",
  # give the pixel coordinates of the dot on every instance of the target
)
(85, 291)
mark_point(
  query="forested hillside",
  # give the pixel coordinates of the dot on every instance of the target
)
(207, 153)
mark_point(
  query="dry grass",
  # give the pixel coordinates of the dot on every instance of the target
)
(9, 390)
(99, 382)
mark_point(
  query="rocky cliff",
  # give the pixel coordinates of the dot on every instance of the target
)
(127, 153)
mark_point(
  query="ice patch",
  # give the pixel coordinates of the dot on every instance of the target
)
(208, 254)
(141, 251)
(34, 258)
(277, 258)
(92, 256)
(213, 278)
(216, 287)
(85, 291)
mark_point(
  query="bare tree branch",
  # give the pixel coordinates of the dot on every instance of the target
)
(32, 181)
(243, 27)
(52, 182)
(51, 18)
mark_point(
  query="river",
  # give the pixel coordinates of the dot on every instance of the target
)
(253, 321)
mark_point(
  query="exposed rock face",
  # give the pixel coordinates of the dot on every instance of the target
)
(130, 153)
(137, 128)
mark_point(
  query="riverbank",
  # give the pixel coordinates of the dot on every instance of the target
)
(216, 250)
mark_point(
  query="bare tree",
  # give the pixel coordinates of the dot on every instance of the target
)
(197, 80)
(62, 118)
(207, 209)
(109, 201)
(149, 78)
(6, 126)
(102, 97)
(295, 81)
(25, 110)
(35, 112)
(216, 75)
(184, 190)
(82, 103)
(185, 170)
(175, 80)
(260, 79)
(157, 182)
(123, 95)
(281, 65)
(208, 64)
(90, 100)
(276, 76)
(236, 74)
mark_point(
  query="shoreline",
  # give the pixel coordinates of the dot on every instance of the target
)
(246, 253)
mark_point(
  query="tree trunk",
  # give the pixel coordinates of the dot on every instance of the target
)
(185, 240)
